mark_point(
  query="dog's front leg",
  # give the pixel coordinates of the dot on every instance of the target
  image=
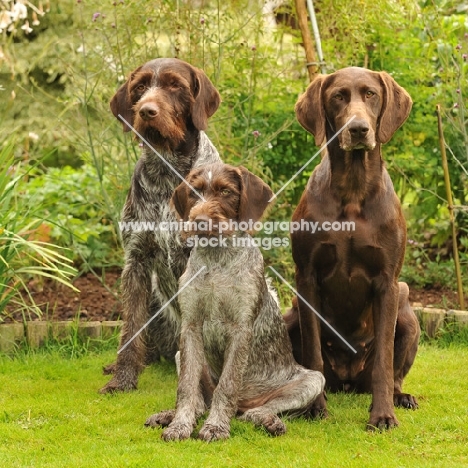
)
(225, 397)
(382, 415)
(190, 403)
(309, 325)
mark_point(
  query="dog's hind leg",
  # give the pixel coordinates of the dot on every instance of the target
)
(136, 291)
(406, 346)
(294, 398)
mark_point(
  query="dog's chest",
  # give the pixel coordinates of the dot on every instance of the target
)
(222, 299)
(218, 303)
(354, 240)
(346, 255)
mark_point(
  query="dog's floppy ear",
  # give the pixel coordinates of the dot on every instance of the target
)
(310, 112)
(122, 104)
(207, 100)
(255, 196)
(396, 107)
(179, 200)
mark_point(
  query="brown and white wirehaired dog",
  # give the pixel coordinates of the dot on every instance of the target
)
(233, 337)
(168, 103)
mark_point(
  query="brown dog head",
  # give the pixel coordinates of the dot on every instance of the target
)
(163, 98)
(220, 192)
(376, 105)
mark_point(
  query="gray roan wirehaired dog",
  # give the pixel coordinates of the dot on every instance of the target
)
(168, 102)
(233, 337)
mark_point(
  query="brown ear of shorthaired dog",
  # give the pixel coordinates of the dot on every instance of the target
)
(348, 271)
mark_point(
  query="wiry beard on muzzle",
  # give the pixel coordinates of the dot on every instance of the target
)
(167, 138)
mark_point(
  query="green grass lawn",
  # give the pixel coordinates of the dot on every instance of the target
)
(52, 416)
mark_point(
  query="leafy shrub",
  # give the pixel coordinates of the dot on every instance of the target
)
(23, 252)
(69, 202)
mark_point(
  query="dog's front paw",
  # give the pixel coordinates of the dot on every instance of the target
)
(381, 422)
(212, 432)
(161, 419)
(405, 400)
(117, 385)
(177, 431)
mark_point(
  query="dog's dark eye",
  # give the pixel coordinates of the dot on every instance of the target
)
(174, 86)
(225, 192)
(369, 94)
(140, 87)
(338, 96)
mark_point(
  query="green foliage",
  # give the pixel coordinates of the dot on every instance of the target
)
(22, 252)
(451, 335)
(70, 202)
(66, 72)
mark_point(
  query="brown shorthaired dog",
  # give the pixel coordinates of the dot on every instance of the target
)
(168, 102)
(351, 277)
(233, 337)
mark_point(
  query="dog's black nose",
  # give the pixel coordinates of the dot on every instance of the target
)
(148, 111)
(358, 128)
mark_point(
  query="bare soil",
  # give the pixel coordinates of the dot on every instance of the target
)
(98, 299)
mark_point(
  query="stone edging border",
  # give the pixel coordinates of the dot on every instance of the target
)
(35, 333)
(432, 319)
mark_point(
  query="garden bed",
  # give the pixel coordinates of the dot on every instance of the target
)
(93, 312)
(98, 299)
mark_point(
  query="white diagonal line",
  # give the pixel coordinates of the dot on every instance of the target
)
(312, 158)
(161, 309)
(313, 310)
(168, 164)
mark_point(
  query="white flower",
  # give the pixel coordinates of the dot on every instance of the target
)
(110, 61)
(19, 11)
(26, 27)
(33, 136)
(35, 19)
(5, 20)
